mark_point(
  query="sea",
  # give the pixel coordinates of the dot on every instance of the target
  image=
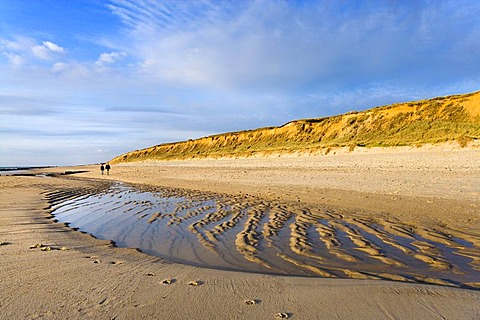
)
(13, 170)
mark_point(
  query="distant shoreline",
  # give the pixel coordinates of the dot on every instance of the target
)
(15, 168)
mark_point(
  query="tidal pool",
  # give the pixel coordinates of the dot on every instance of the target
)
(247, 233)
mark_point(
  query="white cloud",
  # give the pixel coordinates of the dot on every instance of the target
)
(47, 50)
(41, 52)
(14, 51)
(14, 60)
(59, 67)
(20, 44)
(53, 47)
(24, 51)
(109, 58)
(73, 71)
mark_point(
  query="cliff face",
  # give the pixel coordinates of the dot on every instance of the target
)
(413, 123)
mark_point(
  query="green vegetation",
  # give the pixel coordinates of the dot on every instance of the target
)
(452, 118)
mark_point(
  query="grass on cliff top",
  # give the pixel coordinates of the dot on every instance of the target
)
(414, 123)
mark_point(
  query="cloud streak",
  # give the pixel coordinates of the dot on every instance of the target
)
(293, 46)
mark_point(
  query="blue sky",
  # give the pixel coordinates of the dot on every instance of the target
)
(83, 81)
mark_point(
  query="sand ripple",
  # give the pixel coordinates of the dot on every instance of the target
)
(250, 234)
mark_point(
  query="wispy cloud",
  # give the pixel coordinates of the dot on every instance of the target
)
(15, 60)
(225, 45)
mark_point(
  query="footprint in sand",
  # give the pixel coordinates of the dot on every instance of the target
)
(168, 281)
(48, 248)
(281, 315)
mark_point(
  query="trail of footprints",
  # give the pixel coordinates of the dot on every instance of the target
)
(296, 239)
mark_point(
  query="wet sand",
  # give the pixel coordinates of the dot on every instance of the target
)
(79, 276)
(247, 233)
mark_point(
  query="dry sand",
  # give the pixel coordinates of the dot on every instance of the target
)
(82, 277)
(417, 183)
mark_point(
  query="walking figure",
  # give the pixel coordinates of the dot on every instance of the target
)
(108, 168)
(102, 168)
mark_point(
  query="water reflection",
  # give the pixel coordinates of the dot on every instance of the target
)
(251, 234)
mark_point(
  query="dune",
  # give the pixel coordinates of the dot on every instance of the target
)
(416, 123)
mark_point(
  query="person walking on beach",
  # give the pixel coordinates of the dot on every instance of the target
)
(108, 168)
(102, 168)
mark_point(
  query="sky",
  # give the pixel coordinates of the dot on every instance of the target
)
(84, 81)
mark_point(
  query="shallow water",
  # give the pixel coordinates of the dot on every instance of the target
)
(251, 234)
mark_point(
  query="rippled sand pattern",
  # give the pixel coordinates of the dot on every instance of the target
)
(250, 234)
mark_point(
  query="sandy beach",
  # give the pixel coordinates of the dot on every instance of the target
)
(50, 271)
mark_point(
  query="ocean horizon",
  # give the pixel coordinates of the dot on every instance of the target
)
(10, 168)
